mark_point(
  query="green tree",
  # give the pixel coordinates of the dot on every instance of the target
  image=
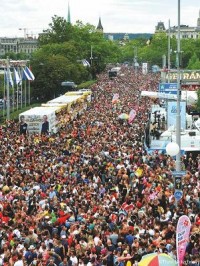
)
(59, 31)
(62, 41)
(198, 101)
(194, 62)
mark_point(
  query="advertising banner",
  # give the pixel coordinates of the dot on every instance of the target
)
(144, 68)
(171, 114)
(132, 116)
(115, 98)
(182, 237)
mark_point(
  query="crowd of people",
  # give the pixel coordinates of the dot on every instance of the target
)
(91, 194)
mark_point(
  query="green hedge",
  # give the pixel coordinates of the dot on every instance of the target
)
(86, 84)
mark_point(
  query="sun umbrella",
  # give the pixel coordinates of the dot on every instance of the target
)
(155, 259)
(123, 116)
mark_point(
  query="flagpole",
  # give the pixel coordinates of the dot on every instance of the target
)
(17, 97)
(4, 91)
(7, 90)
(13, 97)
(21, 96)
(21, 85)
(29, 93)
(25, 93)
(29, 89)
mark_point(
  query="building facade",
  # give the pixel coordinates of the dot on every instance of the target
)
(18, 45)
(186, 31)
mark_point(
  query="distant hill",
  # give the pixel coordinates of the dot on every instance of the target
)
(120, 36)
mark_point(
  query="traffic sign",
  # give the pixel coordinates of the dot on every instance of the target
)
(178, 194)
(169, 88)
(177, 182)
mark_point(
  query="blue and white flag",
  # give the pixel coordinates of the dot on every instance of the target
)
(8, 77)
(25, 75)
(85, 63)
(17, 77)
(30, 74)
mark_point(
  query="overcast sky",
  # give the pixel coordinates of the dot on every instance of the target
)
(127, 16)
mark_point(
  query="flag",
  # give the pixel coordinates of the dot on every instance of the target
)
(25, 75)
(85, 63)
(29, 73)
(132, 116)
(182, 237)
(115, 98)
(17, 78)
(8, 77)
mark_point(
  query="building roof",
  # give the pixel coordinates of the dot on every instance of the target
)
(160, 26)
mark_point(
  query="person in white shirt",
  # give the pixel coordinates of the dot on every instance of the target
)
(19, 261)
(73, 259)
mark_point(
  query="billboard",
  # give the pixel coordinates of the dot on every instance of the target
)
(171, 114)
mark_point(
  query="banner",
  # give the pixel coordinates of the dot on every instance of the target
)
(132, 116)
(182, 237)
(171, 114)
(115, 98)
(144, 68)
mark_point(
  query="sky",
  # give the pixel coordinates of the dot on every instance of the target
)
(29, 17)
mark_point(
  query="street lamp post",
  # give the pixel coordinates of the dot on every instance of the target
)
(91, 55)
(135, 63)
(169, 52)
(7, 89)
(178, 117)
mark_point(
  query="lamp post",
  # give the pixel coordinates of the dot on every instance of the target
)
(91, 55)
(174, 149)
(178, 117)
(135, 63)
(169, 52)
(7, 88)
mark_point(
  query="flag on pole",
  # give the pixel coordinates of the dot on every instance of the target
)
(132, 116)
(8, 77)
(25, 75)
(115, 98)
(182, 237)
(17, 78)
(30, 74)
(85, 63)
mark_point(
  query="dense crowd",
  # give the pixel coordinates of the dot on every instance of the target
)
(91, 194)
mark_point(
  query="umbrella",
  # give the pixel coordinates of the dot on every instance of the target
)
(155, 259)
(123, 116)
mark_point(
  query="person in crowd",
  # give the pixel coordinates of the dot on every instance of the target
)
(45, 125)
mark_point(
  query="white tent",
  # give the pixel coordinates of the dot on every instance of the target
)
(189, 96)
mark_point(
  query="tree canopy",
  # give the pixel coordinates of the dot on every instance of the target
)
(63, 46)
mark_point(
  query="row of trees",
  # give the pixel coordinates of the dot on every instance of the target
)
(62, 47)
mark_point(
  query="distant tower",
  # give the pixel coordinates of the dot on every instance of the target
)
(68, 15)
(160, 27)
(198, 20)
(99, 26)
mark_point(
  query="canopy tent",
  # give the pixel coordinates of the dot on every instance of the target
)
(189, 96)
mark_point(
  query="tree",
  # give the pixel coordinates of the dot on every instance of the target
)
(198, 101)
(194, 62)
(59, 31)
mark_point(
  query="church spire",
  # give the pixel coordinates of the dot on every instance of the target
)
(198, 20)
(68, 15)
(99, 26)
